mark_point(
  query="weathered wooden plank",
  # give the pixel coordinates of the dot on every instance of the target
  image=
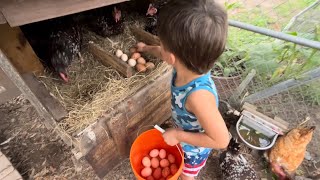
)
(13, 176)
(234, 99)
(18, 50)
(276, 121)
(153, 99)
(7, 88)
(145, 37)
(2, 19)
(52, 105)
(22, 12)
(108, 59)
(104, 157)
(16, 78)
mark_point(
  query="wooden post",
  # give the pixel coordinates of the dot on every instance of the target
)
(18, 50)
(108, 59)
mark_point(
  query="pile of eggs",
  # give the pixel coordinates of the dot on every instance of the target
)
(158, 165)
(136, 60)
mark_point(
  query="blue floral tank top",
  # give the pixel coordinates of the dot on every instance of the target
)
(186, 120)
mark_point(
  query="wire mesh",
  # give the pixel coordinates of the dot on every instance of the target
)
(274, 60)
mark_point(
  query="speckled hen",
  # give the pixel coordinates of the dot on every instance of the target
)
(234, 166)
(56, 42)
(65, 46)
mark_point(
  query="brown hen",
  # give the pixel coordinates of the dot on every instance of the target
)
(289, 151)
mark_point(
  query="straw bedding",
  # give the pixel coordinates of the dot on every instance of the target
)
(95, 89)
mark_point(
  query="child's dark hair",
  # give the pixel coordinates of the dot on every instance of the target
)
(195, 31)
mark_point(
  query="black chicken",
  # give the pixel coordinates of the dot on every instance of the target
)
(106, 21)
(56, 42)
(234, 165)
(65, 46)
(152, 15)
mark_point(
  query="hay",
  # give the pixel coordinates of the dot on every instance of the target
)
(95, 89)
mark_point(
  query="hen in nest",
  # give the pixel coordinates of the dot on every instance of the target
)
(106, 21)
(234, 166)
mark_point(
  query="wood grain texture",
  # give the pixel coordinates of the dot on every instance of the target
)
(18, 50)
(108, 59)
(149, 106)
(22, 12)
(104, 156)
(52, 105)
(2, 19)
(145, 37)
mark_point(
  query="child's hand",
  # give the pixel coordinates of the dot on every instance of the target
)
(171, 136)
(140, 46)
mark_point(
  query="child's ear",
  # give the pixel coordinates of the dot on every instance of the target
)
(172, 59)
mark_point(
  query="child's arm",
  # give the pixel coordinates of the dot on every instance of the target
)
(202, 104)
(153, 50)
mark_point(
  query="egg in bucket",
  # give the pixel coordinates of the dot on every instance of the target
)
(147, 141)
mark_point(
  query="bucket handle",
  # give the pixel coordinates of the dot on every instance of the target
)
(163, 131)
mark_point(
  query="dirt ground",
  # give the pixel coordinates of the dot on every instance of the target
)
(38, 153)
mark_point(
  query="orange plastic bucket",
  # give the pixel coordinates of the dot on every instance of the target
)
(152, 139)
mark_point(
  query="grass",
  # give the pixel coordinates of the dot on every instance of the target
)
(274, 17)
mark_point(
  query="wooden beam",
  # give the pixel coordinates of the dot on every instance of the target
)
(52, 105)
(2, 19)
(18, 50)
(22, 12)
(108, 59)
(7, 88)
(145, 37)
(16, 78)
(115, 132)
(276, 121)
(235, 100)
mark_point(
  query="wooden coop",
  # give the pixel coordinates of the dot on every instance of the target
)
(105, 141)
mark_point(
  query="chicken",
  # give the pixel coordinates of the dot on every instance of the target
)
(56, 42)
(65, 46)
(233, 165)
(106, 21)
(289, 151)
(152, 15)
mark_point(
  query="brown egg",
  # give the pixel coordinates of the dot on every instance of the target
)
(171, 158)
(150, 65)
(173, 169)
(164, 163)
(155, 162)
(132, 50)
(154, 153)
(146, 172)
(141, 68)
(162, 153)
(166, 172)
(150, 178)
(157, 173)
(135, 56)
(146, 162)
(141, 60)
